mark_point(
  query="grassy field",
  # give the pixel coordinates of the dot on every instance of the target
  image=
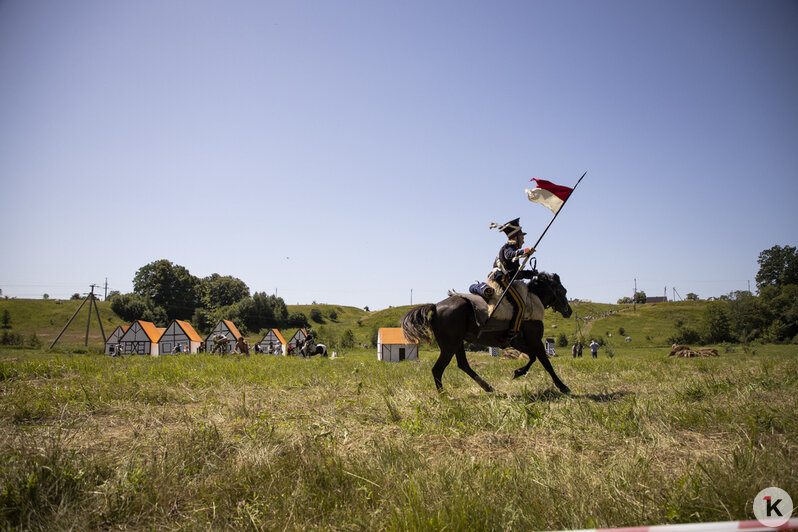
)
(204, 442)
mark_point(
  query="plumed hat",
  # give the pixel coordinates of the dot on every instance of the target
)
(511, 228)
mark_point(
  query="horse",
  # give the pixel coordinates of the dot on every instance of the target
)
(452, 323)
(311, 349)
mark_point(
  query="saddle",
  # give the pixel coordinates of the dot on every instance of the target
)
(501, 318)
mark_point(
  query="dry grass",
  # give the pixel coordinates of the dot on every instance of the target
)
(269, 442)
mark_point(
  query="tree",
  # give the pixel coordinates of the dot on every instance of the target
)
(75, 296)
(640, 297)
(716, 324)
(691, 297)
(169, 286)
(778, 266)
(218, 291)
(625, 300)
(45, 296)
(348, 339)
(130, 307)
(6, 319)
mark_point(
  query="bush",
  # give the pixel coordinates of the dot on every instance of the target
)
(315, 315)
(562, 340)
(348, 339)
(9, 338)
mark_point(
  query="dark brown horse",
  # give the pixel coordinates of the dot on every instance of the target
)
(452, 323)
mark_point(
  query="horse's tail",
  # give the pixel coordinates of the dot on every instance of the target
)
(416, 323)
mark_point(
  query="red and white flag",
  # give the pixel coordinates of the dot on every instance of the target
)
(548, 194)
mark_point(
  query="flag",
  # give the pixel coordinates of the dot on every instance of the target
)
(548, 194)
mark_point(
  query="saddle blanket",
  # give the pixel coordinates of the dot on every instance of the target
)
(482, 308)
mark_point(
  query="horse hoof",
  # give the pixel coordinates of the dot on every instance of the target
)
(566, 390)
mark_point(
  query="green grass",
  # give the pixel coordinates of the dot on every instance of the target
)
(206, 442)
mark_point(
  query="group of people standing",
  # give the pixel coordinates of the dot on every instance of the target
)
(576, 349)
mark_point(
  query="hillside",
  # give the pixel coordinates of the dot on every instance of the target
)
(648, 326)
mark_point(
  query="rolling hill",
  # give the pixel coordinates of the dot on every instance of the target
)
(648, 326)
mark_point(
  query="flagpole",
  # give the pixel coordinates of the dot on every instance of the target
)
(501, 298)
(556, 214)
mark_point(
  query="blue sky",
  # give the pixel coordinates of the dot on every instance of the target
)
(351, 152)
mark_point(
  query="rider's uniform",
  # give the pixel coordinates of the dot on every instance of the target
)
(506, 266)
(504, 269)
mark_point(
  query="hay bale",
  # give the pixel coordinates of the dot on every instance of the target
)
(676, 348)
(683, 351)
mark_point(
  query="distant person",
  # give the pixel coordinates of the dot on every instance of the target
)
(579, 349)
(594, 348)
(573, 350)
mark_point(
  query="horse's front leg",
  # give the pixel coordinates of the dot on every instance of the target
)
(544, 359)
(531, 334)
(533, 338)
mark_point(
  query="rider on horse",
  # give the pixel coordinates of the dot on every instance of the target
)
(504, 269)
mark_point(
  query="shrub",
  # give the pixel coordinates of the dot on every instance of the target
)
(315, 315)
(562, 340)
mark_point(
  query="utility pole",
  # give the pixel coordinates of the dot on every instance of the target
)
(92, 301)
(634, 298)
(105, 296)
(411, 296)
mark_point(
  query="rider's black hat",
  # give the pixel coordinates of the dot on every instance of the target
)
(512, 228)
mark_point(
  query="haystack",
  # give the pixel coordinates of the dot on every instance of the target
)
(685, 352)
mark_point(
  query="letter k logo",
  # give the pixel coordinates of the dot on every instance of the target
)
(772, 506)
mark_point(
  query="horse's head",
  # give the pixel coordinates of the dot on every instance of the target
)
(551, 293)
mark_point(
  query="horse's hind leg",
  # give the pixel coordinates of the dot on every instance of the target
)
(437, 370)
(462, 363)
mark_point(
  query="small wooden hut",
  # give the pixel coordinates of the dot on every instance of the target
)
(392, 346)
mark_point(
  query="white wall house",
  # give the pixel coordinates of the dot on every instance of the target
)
(179, 337)
(226, 328)
(141, 338)
(273, 343)
(392, 346)
(298, 337)
(113, 339)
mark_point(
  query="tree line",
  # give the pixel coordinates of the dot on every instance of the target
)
(163, 291)
(771, 317)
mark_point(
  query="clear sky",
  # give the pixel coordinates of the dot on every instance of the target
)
(350, 152)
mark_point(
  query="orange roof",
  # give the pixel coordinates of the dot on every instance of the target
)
(393, 335)
(153, 333)
(233, 328)
(189, 330)
(279, 336)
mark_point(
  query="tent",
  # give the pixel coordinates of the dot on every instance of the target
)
(226, 328)
(392, 346)
(141, 338)
(113, 340)
(179, 337)
(273, 343)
